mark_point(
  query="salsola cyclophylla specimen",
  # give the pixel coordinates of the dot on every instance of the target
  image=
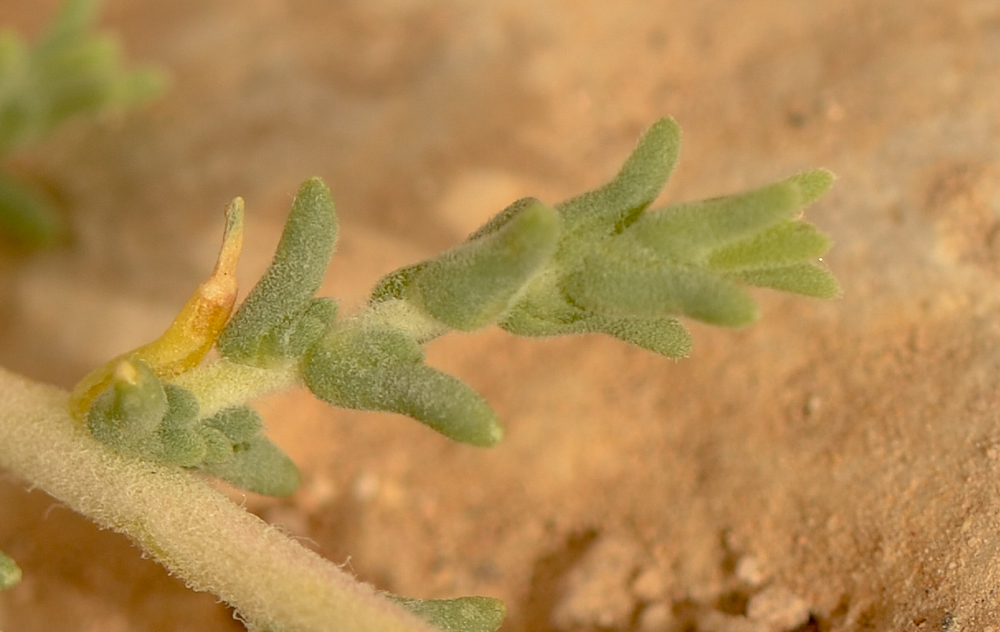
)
(602, 262)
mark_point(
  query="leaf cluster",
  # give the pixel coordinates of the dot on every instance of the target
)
(602, 262)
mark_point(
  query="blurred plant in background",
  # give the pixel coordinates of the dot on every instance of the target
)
(70, 71)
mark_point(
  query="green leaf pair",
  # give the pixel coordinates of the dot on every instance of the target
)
(139, 415)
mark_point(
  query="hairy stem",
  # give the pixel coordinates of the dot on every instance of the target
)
(188, 526)
(222, 384)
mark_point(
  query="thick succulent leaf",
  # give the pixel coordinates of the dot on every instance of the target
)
(298, 333)
(665, 336)
(542, 315)
(501, 219)
(471, 286)
(637, 184)
(261, 327)
(641, 288)
(812, 185)
(393, 286)
(688, 231)
(128, 413)
(808, 279)
(258, 466)
(237, 424)
(789, 242)
(463, 614)
(383, 370)
(179, 442)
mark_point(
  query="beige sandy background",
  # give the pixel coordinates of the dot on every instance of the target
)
(834, 467)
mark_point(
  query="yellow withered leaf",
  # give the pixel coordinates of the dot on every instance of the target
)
(190, 336)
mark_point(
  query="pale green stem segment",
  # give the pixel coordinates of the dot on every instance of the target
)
(180, 520)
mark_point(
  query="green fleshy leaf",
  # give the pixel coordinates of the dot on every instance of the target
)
(238, 423)
(501, 219)
(10, 574)
(542, 314)
(309, 326)
(258, 466)
(665, 336)
(179, 443)
(393, 285)
(637, 288)
(471, 286)
(616, 204)
(785, 243)
(181, 446)
(808, 279)
(264, 325)
(127, 414)
(384, 370)
(686, 232)
(218, 447)
(812, 185)
(239, 453)
(463, 614)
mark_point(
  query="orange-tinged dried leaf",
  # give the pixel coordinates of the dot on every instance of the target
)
(190, 336)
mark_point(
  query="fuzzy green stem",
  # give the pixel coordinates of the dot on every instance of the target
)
(223, 384)
(189, 527)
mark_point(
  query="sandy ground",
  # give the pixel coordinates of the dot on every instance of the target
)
(834, 467)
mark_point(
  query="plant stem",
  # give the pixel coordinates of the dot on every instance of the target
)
(186, 525)
(221, 384)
